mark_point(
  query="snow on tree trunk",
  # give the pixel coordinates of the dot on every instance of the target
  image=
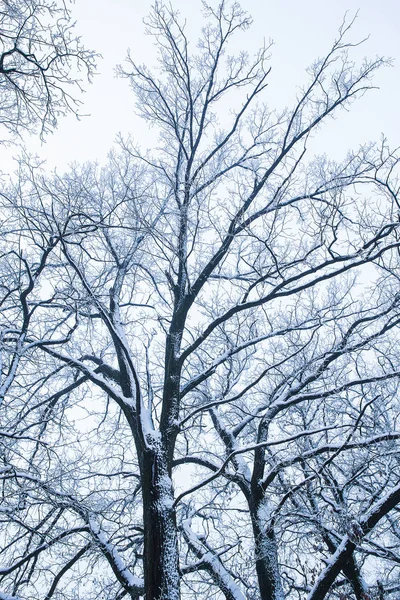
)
(267, 567)
(161, 573)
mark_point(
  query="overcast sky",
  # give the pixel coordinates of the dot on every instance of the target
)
(301, 31)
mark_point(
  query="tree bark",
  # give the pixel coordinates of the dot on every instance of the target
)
(267, 567)
(161, 572)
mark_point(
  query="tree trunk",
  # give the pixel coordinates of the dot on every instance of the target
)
(161, 573)
(267, 567)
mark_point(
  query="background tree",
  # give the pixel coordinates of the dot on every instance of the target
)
(42, 65)
(199, 346)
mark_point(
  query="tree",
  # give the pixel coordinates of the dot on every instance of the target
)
(40, 61)
(199, 381)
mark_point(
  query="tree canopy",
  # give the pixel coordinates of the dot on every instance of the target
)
(199, 365)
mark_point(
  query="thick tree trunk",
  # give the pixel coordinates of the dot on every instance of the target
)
(267, 567)
(161, 573)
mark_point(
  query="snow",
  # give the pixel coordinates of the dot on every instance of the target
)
(6, 384)
(167, 497)
(213, 562)
(379, 504)
(118, 561)
(266, 549)
(151, 436)
(264, 513)
(164, 507)
(176, 342)
(343, 546)
(223, 575)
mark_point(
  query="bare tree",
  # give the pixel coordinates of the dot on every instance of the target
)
(42, 65)
(200, 372)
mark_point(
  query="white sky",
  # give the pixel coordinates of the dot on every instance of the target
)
(301, 30)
